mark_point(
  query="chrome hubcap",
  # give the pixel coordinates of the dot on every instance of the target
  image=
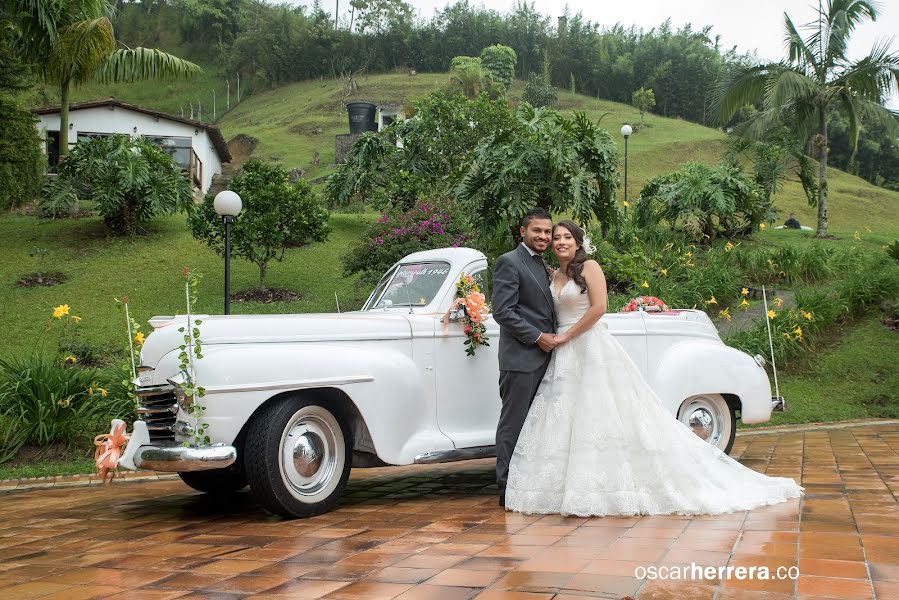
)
(309, 452)
(706, 419)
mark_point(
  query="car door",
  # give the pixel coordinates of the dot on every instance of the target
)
(468, 401)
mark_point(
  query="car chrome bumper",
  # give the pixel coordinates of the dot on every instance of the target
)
(778, 403)
(178, 459)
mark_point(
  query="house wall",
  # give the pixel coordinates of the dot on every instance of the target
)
(111, 119)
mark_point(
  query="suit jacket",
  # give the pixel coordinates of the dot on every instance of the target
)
(523, 308)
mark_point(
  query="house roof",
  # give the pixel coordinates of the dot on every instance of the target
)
(215, 134)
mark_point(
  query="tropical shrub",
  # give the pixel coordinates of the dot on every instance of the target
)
(276, 215)
(538, 92)
(437, 143)
(426, 226)
(469, 74)
(130, 180)
(499, 61)
(547, 160)
(705, 202)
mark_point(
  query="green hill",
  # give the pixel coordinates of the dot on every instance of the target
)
(292, 122)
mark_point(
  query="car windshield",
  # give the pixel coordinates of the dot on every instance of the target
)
(410, 285)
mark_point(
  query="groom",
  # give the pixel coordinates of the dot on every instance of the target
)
(523, 308)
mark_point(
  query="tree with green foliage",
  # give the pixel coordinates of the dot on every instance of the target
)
(378, 16)
(130, 180)
(817, 75)
(21, 160)
(643, 100)
(704, 201)
(72, 42)
(469, 74)
(437, 142)
(499, 61)
(276, 215)
(539, 91)
(547, 160)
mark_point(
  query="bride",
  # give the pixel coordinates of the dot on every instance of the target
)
(597, 440)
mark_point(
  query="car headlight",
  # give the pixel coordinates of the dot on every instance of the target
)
(184, 401)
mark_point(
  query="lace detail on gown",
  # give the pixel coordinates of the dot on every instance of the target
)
(598, 441)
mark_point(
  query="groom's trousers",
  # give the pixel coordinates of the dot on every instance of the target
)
(517, 390)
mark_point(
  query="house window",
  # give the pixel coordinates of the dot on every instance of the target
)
(177, 147)
(91, 135)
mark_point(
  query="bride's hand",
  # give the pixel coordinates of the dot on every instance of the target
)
(562, 338)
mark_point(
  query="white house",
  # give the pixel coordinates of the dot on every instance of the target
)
(197, 147)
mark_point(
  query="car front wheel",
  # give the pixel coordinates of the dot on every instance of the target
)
(711, 418)
(297, 457)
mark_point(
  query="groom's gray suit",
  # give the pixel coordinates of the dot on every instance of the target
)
(523, 308)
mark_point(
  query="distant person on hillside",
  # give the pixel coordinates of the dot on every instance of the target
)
(792, 223)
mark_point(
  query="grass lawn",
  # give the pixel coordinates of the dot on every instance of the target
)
(851, 377)
(49, 468)
(148, 270)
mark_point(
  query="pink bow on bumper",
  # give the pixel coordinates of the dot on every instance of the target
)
(109, 450)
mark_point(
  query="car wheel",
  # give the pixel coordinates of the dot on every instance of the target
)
(297, 457)
(711, 418)
(217, 481)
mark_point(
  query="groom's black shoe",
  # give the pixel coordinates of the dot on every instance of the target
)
(502, 499)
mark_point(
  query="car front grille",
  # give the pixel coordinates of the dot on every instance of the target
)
(158, 408)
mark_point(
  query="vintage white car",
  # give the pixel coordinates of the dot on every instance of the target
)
(293, 401)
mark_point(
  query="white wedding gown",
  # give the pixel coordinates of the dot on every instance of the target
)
(597, 441)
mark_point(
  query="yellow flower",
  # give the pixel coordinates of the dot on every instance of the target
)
(806, 315)
(60, 311)
(139, 338)
(669, 246)
(744, 305)
(798, 333)
(744, 292)
(712, 300)
(725, 314)
(688, 254)
(75, 318)
(663, 271)
(762, 225)
(771, 314)
(786, 335)
(777, 302)
(102, 391)
(856, 237)
(690, 264)
(728, 247)
(644, 285)
(64, 402)
(71, 359)
(96, 388)
(626, 203)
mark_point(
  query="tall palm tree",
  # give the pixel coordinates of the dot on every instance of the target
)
(818, 74)
(72, 41)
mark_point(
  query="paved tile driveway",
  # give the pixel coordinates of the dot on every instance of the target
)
(436, 532)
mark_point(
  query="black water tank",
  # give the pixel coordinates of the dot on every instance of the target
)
(362, 117)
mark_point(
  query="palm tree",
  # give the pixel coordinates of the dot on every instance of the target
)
(72, 41)
(818, 74)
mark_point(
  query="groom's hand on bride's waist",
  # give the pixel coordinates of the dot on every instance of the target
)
(547, 341)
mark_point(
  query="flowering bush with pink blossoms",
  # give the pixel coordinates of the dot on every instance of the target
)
(425, 226)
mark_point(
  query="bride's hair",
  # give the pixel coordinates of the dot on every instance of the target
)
(576, 266)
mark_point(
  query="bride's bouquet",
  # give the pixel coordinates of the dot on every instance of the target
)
(645, 303)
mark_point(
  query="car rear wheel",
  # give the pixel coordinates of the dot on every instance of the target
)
(711, 418)
(297, 457)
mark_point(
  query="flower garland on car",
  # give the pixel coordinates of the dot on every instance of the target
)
(645, 303)
(474, 307)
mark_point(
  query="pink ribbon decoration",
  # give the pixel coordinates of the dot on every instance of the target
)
(109, 450)
(458, 302)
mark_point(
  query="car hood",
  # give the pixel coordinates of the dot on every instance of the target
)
(246, 329)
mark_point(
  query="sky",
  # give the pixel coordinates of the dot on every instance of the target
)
(756, 25)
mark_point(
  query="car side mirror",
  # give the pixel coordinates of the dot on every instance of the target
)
(456, 315)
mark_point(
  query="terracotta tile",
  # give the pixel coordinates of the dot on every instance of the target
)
(87, 592)
(305, 588)
(507, 595)
(624, 568)
(369, 590)
(851, 553)
(465, 578)
(485, 563)
(735, 594)
(554, 563)
(610, 584)
(886, 589)
(402, 575)
(834, 588)
(833, 568)
(429, 561)
(533, 581)
(31, 589)
(884, 571)
(676, 590)
(436, 592)
(231, 567)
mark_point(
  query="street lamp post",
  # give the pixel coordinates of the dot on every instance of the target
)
(626, 131)
(227, 204)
